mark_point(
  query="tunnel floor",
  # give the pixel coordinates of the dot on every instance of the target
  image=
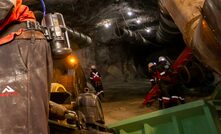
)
(123, 100)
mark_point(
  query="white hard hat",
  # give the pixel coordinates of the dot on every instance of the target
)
(150, 64)
(161, 58)
(93, 67)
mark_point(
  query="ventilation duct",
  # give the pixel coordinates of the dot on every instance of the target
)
(166, 32)
(128, 34)
(79, 40)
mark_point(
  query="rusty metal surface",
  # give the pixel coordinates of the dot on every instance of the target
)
(167, 30)
(56, 110)
(90, 106)
(206, 47)
(212, 12)
(185, 14)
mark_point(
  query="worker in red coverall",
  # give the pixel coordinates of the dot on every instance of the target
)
(95, 79)
(152, 70)
(25, 68)
(170, 93)
(152, 77)
(165, 82)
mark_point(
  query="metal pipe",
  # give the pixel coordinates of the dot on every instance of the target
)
(60, 112)
(56, 110)
(166, 32)
(80, 40)
(124, 33)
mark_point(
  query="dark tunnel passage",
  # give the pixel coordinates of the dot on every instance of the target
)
(121, 37)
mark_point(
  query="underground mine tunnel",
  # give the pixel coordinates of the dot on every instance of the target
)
(112, 66)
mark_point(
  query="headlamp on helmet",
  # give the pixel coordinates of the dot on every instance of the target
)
(93, 67)
(161, 58)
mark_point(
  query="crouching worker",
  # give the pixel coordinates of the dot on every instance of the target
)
(170, 91)
(25, 68)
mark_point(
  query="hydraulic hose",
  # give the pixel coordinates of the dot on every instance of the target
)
(43, 7)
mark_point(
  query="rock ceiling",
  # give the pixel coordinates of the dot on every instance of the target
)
(92, 17)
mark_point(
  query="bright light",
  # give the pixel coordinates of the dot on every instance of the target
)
(138, 21)
(107, 25)
(147, 30)
(71, 60)
(129, 13)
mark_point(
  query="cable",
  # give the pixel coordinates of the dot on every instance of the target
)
(44, 7)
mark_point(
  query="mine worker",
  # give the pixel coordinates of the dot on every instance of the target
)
(95, 79)
(175, 92)
(152, 76)
(163, 63)
(170, 93)
(165, 82)
(152, 72)
(26, 68)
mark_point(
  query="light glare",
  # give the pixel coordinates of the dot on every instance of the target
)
(147, 30)
(107, 25)
(129, 13)
(138, 21)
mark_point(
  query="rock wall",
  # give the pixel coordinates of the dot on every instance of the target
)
(122, 62)
(113, 62)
